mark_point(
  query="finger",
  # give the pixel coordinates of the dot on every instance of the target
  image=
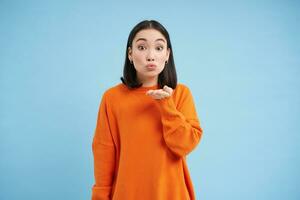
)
(166, 94)
(158, 94)
(153, 93)
(157, 91)
(149, 92)
(168, 89)
(163, 94)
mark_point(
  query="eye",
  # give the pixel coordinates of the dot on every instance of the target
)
(141, 47)
(160, 48)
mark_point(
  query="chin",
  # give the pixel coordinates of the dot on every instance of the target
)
(151, 74)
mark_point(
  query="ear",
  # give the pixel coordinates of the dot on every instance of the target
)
(129, 53)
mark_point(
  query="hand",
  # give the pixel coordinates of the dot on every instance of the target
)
(161, 93)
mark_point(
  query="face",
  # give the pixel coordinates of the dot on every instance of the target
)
(149, 53)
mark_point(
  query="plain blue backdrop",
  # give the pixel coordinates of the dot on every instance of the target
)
(241, 60)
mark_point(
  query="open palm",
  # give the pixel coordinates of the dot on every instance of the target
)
(160, 93)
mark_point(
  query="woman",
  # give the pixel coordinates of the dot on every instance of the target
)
(146, 125)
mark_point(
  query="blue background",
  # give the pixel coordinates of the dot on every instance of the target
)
(239, 58)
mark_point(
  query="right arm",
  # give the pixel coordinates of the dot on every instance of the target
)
(104, 155)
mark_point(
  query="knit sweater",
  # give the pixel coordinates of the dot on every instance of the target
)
(140, 145)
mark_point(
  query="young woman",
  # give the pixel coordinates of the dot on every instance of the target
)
(146, 125)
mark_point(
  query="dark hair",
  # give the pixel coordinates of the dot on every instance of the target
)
(167, 76)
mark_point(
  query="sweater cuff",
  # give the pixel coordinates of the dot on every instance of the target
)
(102, 192)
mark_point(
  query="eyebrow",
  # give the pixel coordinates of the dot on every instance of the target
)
(159, 39)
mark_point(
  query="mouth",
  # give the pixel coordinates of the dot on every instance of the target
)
(151, 66)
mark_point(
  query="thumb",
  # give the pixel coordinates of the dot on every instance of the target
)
(168, 89)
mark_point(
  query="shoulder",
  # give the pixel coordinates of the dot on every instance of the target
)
(182, 89)
(182, 86)
(114, 92)
(181, 94)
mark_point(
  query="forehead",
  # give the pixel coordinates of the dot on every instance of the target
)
(149, 35)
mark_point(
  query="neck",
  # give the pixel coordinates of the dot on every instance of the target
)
(149, 81)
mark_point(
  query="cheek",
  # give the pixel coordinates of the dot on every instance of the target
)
(138, 56)
(161, 60)
(162, 56)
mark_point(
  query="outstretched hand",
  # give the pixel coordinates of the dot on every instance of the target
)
(160, 93)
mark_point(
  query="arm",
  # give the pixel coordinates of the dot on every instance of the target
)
(181, 128)
(104, 155)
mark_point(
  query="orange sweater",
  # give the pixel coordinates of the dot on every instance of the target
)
(140, 145)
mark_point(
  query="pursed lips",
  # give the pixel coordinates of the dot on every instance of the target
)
(151, 65)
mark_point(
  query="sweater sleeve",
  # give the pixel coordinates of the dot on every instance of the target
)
(104, 155)
(181, 127)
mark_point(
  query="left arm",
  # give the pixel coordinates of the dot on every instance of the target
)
(181, 128)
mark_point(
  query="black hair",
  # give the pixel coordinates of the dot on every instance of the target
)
(167, 76)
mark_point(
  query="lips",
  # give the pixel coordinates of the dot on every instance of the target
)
(151, 66)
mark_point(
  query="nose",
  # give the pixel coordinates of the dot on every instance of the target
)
(150, 56)
(150, 59)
